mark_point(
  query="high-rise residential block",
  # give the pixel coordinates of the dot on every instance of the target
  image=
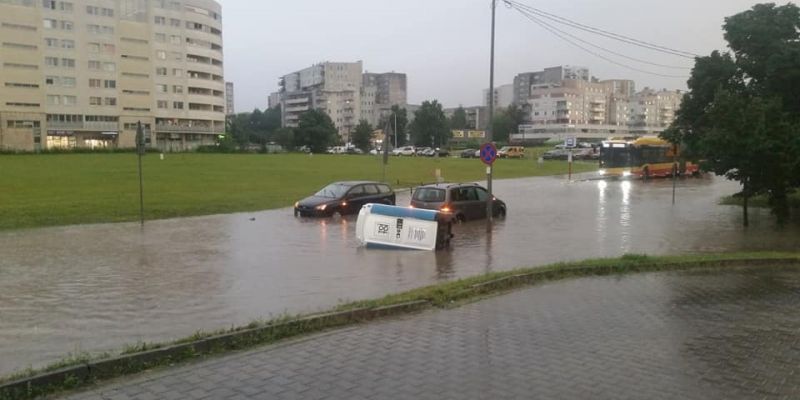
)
(229, 99)
(83, 73)
(380, 92)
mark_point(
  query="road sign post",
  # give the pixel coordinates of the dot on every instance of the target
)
(488, 156)
(570, 143)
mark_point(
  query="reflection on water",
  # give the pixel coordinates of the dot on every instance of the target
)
(98, 287)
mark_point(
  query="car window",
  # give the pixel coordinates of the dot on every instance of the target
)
(384, 189)
(470, 194)
(356, 191)
(482, 194)
(370, 189)
(429, 195)
(334, 191)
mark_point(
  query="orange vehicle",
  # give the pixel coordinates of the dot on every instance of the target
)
(645, 157)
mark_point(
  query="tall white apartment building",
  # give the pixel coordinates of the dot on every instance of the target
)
(379, 92)
(78, 73)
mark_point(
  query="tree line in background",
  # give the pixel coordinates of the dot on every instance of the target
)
(316, 131)
(741, 116)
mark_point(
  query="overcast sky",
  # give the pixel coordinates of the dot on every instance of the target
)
(443, 45)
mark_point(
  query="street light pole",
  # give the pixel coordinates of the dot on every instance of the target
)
(489, 199)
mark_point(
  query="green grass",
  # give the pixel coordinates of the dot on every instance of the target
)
(760, 201)
(63, 189)
(442, 295)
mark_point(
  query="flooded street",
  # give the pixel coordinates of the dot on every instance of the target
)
(99, 287)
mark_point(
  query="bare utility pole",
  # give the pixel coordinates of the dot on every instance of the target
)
(489, 200)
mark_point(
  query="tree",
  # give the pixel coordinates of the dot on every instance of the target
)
(388, 122)
(740, 115)
(363, 135)
(284, 137)
(315, 130)
(430, 125)
(507, 121)
(459, 119)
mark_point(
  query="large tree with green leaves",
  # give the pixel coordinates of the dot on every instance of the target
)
(506, 122)
(362, 137)
(430, 125)
(315, 130)
(741, 112)
(458, 120)
(388, 122)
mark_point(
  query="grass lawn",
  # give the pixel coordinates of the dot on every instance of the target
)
(63, 189)
(760, 201)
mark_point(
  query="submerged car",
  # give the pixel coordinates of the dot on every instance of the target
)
(344, 198)
(465, 201)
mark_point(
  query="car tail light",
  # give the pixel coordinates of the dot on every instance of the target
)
(445, 209)
(344, 204)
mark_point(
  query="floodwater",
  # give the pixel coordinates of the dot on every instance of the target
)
(99, 287)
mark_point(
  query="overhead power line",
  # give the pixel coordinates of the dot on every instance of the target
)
(606, 49)
(597, 31)
(556, 32)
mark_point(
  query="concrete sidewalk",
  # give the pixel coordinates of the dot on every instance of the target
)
(688, 335)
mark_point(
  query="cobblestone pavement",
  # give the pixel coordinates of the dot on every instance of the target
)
(689, 335)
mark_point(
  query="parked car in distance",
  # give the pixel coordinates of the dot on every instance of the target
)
(557, 154)
(511, 152)
(404, 151)
(344, 198)
(420, 151)
(466, 201)
(442, 153)
(467, 153)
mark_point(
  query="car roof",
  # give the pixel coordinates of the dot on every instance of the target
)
(353, 183)
(446, 185)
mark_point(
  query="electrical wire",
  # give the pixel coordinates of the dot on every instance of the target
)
(612, 51)
(554, 31)
(597, 31)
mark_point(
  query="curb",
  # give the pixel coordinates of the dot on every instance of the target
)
(78, 375)
(90, 372)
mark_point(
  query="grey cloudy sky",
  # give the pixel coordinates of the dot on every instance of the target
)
(443, 45)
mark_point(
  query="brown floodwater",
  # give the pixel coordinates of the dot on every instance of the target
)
(99, 287)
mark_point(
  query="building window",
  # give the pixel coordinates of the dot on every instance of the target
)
(178, 105)
(51, 61)
(161, 104)
(110, 101)
(161, 71)
(95, 101)
(68, 81)
(175, 22)
(66, 7)
(177, 89)
(93, 47)
(161, 88)
(110, 84)
(159, 20)
(177, 72)
(174, 39)
(53, 100)
(69, 100)
(68, 62)
(95, 83)
(67, 44)
(161, 55)
(160, 37)
(51, 42)
(109, 66)
(94, 64)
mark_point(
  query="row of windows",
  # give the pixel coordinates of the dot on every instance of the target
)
(63, 6)
(102, 101)
(22, 85)
(162, 71)
(17, 26)
(102, 84)
(54, 43)
(99, 11)
(22, 124)
(163, 104)
(63, 62)
(17, 104)
(20, 46)
(104, 66)
(55, 100)
(20, 66)
(161, 88)
(64, 25)
(24, 3)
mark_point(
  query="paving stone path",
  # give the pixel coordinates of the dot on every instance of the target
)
(688, 335)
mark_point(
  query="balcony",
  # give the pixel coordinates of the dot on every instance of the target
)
(83, 126)
(183, 129)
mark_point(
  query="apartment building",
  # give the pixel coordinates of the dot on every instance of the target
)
(379, 92)
(83, 73)
(333, 87)
(229, 99)
(341, 90)
(503, 96)
(477, 116)
(652, 111)
(549, 76)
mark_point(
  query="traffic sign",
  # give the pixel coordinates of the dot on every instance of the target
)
(570, 142)
(488, 153)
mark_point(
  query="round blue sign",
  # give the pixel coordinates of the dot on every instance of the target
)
(488, 153)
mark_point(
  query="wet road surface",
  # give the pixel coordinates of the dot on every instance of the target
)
(724, 334)
(99, 287)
